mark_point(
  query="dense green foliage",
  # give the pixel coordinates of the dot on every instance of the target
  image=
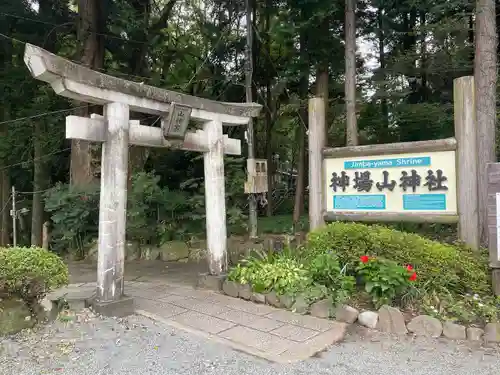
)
(384, 280)
(266, 272)
(376, 265)
(288, 274)
(155, 214)
(440, 266)
(30, 273)
(404, 94)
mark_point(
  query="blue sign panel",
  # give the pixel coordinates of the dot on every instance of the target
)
(366, 202)
(423, 161)
(427, 202)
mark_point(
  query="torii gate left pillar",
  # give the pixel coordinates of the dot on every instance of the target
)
(119, 97)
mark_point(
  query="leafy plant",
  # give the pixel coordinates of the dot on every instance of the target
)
(276, 272)
(325, 270)
(30, 272)
(384, 280)
(74, 215)
(465, 309)
(154, 214)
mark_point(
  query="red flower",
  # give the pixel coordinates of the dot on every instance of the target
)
(413, 276)
(364, 258)
(409, 267)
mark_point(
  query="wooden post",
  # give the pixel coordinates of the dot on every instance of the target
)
(467, 180)
(215, 199)
(317, 140)
(113, 204)
(493, 211)
(45, 235)
(485, 73)
(14, 217)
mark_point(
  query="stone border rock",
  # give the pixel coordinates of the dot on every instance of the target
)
(387, 319)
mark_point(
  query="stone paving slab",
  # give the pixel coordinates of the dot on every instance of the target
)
(261, 330)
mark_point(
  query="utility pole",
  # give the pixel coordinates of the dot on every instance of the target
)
(13, 213)
(249, 99)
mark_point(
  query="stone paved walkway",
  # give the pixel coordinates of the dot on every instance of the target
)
(261, 330)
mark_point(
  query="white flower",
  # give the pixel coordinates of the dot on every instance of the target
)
(476, 296)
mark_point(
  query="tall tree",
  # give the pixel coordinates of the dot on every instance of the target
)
(350, 72)
(92, 15)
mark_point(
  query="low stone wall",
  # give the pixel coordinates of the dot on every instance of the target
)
(387, 319)
(15, 315)
(194, 250)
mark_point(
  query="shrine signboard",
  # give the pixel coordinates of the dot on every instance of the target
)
(418, 186)
(430, 181)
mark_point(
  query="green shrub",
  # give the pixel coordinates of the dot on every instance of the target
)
(287, 273)
(440, 267)
(74, 214)
(155, 213)
(265, 272)
(384, 280)
(325, 269)
(30, 272)
(466, 309)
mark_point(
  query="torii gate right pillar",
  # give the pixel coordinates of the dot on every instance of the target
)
(215, 199)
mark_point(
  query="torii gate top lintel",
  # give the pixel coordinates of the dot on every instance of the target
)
(81, 83)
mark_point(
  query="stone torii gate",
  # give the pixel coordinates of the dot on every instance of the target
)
(116, 132)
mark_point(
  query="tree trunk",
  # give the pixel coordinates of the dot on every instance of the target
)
(423, 57)
(5, 201)
(322, 79)
(269, 150)
(350, 73)
(298, 208)
(384, 107)
(485, 74)
(39, 184)
(4, 186)
(85, 156)
(269, 115)
(40, 178)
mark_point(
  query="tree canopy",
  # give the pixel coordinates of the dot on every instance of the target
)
(409, 52)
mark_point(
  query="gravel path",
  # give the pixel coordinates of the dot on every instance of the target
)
(85, 344)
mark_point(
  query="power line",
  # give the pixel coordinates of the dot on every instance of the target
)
(62, 24)
(42, 115)
(120, 38)
(36, 159)
(34, 192)
(141, 77)
(6, 204)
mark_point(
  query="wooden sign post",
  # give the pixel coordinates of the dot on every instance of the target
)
(493, 173)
